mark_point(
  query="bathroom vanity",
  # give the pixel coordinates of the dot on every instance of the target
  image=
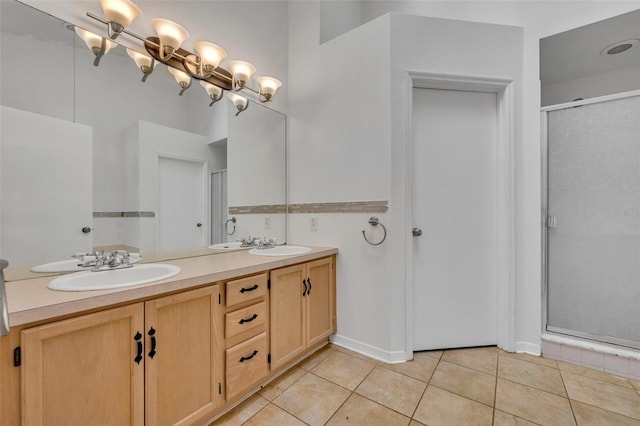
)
(179, 351)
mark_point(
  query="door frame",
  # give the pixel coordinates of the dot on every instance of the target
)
(505, 192)
(204, 173)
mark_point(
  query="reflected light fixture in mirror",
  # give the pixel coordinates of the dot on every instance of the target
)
(182, 78)
(214, 92)
(204, 65)
(120, 14)
(145, 63)
(98, 45)
(240, 102)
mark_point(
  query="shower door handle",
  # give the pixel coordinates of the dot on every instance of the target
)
(552, 222)
(416, 232)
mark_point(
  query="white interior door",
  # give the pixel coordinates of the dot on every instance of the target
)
(454, 205)
(182, 214)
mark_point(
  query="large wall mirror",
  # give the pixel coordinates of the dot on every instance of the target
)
(94, 158)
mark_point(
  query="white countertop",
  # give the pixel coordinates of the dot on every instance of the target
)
(30, 300)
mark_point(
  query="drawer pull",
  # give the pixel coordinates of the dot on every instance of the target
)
(254, 316)
(304, 293)
(309, 282)
(152, 334)
(138, 339)
(244, 290)
(247, 358)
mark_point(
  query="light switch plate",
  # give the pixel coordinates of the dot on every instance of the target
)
(314, 223)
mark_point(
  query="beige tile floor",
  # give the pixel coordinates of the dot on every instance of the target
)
(478, 386)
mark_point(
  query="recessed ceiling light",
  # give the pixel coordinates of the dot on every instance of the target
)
(619, 47)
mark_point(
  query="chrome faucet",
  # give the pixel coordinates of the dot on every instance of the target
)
(117, 259)
(249, 242)
(267, 243)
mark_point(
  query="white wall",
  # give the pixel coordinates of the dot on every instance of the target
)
(325, 116)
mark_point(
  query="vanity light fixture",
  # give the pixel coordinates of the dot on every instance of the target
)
(119, 14)
(182, 78)
(214, 92)
(99, 46)
(145, 63)
(240, 102)
(203, 65)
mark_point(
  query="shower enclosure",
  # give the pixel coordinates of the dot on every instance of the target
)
(591, 207)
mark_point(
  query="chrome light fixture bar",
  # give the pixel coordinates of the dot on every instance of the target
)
(203, 65)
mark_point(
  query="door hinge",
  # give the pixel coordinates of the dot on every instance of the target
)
(219, 388)
(17, 357)
(552, 222)
(269, 284)
(269, 358)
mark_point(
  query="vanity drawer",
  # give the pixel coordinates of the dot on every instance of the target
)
(246, 365)
(251, 317)
(246, 289)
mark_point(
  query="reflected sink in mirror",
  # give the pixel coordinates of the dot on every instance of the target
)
(280, 251)
(117, 278)
(73, 265)
(227, 246)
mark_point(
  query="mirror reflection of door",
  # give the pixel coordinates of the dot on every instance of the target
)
(218, 207)
(182, 213)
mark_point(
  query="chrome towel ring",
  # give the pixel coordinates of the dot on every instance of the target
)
(226, 225)
(374, 221)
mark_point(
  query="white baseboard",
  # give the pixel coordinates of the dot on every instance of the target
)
(390, 357)
(529, 348)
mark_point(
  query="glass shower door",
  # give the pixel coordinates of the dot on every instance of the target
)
(593, 223)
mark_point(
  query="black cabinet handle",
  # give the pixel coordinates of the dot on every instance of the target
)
(247, 358)
(152, 334)
(254, 316)
(304, 293)
(309, 291)
(138, 339)
(244, 290)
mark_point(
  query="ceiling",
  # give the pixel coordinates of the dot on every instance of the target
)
(576, 53)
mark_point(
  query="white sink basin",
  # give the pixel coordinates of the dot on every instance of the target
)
(103, 280)
(71, 265)
(280, 251)
(227, 246)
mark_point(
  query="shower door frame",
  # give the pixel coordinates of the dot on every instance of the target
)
(544, 230)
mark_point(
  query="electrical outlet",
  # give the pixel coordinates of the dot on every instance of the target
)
(314, 223)
(267, 222)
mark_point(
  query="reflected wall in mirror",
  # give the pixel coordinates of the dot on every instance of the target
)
(93, 158)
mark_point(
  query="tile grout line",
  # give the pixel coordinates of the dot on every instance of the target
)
(426, 387)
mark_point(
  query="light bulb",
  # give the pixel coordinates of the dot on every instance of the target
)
(142, 61)
(210, 54)
(181, 77)
(268, 87)
(121, 12)
(94, 41)
(171, 35)
(240, 102)
(242, 72)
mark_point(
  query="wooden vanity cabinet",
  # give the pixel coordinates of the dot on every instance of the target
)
(159, 360)
(302, 309)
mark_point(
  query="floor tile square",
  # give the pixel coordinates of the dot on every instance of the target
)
(361, 411)
(272, 415)
(312, 399)
(533, 404)
(242, 412)
(586, 415)
(535, 375)
(421, 367)
(548, 362)
(279, 385)
(594, 374)
(481, 359)
(500, 418)
(394, 390)
(465, 382)
(441, 408)
(313, 360)
(618, 399)
(343, 369)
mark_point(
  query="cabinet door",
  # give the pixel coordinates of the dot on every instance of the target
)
(286, 314)
(320, 301)
(183, 357)
(82, 370)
